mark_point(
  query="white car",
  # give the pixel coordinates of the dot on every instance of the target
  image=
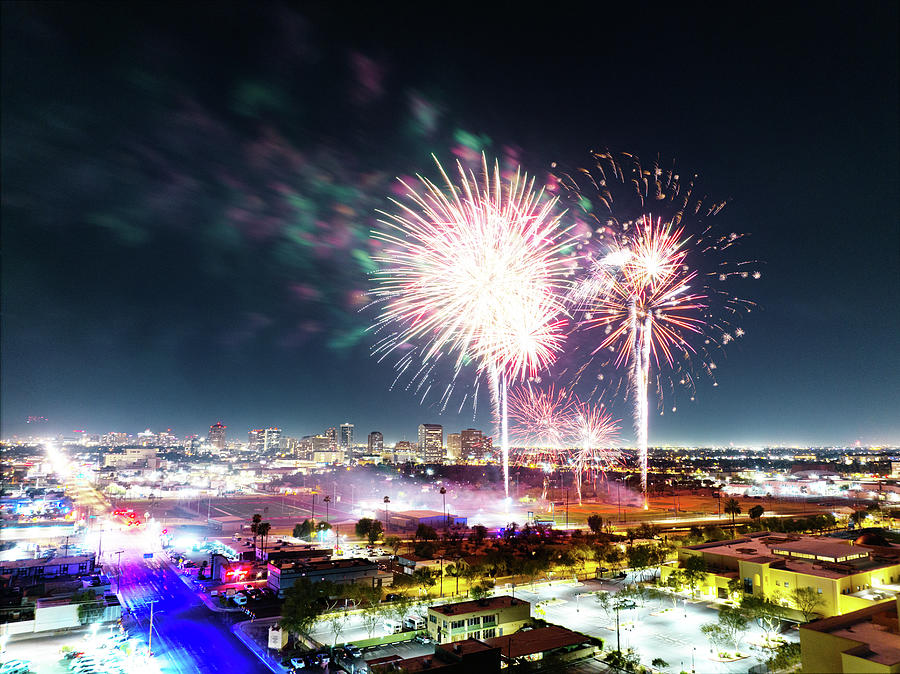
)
(14, 667)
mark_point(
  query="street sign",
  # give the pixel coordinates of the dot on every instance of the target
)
(148, 555)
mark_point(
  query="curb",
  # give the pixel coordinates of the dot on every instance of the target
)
(238, 631)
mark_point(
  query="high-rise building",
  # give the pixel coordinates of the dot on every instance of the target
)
(376, 443)
(216, 435)
(347, 440)
(454, 446)
(403, 451)
(431, 443)
(472, 445)
(256, 439)
(332, 435)
(272, 439)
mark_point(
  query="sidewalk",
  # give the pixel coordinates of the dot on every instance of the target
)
(203, 596)
(250, 631)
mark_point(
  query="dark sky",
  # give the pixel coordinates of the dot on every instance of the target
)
(187, 196)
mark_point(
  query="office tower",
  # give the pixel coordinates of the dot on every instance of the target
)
(454, 446)
(376, 443)
(403, 452)
(431, 443)
(471, 444)
(272, 439)
(256, 439)
(347, 440)
(216, 436)
(332, 434)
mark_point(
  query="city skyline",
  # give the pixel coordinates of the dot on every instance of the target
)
(146, 285)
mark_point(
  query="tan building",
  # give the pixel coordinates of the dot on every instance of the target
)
(845, 574)
(864, 641)
(478, 619)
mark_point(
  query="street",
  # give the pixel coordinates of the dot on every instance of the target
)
(187, 636)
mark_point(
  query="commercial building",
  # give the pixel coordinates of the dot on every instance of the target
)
(283, 573)
(477, 619)
(131, 457)
(462, 657)
(454, 446)
(403, 452)
(272, 439)
(24, 572)
(847, 575)
(431, 443)
(471, 444)
(866, 640)
(347, 440)
(216, 436)
(376, 443)
(256, 439)
(411, 519)
(552, 646)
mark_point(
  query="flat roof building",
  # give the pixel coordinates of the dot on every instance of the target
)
(477, 619)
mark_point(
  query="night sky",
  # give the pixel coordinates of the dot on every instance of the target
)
(187, 197)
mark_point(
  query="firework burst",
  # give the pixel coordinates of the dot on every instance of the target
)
(593, 431)
(655, 281)
(541, 421)
(474, 272)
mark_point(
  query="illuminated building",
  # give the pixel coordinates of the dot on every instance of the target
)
(847, 575)
(477, 619)
(403, 452)
(216, 436)
(331, 434)
(256, 439)
(283, 574)
(272, 439)
(376, 443)
(347, 440)
(866, 640)
(472, 444)
(431, 443)
(454, 446)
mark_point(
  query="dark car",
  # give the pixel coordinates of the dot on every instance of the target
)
(392, 597)
(353, 651)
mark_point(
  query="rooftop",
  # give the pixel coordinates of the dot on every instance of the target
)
(352, 562)
(874, 628)
(478, 605)
(538, 640)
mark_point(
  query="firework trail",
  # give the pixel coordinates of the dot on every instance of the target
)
(474, 272)
(651, 279)
(594, 432)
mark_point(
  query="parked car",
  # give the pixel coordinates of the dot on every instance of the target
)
(15, 667)
(423, 639)
(239, 599)
(353, 651)
(299, 662)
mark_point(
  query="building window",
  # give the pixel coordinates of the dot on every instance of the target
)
(489, 620)
(786, 584)
(432, 618)
(474, 622)
(474, 635)
(490, 634)
(456, 624)
(819, 590)
(778, 583)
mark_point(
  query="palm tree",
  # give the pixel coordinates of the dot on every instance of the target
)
(733, 508)
(257, 518)
(263, 529)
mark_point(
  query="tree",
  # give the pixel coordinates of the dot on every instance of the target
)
(786, 656)
(607, 604)
(425, 549)
(734, 622)
(482, 590)
(858, 517)
(376, 531)
(364, 526)
(733, 508)
(756, 512)
(368, 599)
(303, 529)
(638, 558)
(426, 533)
(614, 557)
(595, 523)
(90, 609)
(263, 529)
(806, 600)
(401, 607)
(479, 533)
(304, 602)
(455, 571)
(659, 663)
(735, 588)
(425, 578)
(694, 572)
(626, 660)
(336, 621)
(393, 542)
(766, 613)
(716, 635)
(254, 524)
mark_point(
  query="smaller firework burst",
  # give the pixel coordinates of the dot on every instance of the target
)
(593, 431)
(541, 420)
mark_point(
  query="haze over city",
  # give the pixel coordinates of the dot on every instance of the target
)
(492, 338)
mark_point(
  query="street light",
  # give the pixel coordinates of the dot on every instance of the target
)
(387, 500)
(444, 497)
(326, 500)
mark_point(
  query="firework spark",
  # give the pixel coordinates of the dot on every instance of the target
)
(650, 281)
(475, 272)
(541, 421)
(594, 432)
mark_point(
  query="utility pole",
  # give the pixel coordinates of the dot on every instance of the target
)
(150, 634)
(618, 636)
(118, 570)
(567, 508)
(446, 518)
